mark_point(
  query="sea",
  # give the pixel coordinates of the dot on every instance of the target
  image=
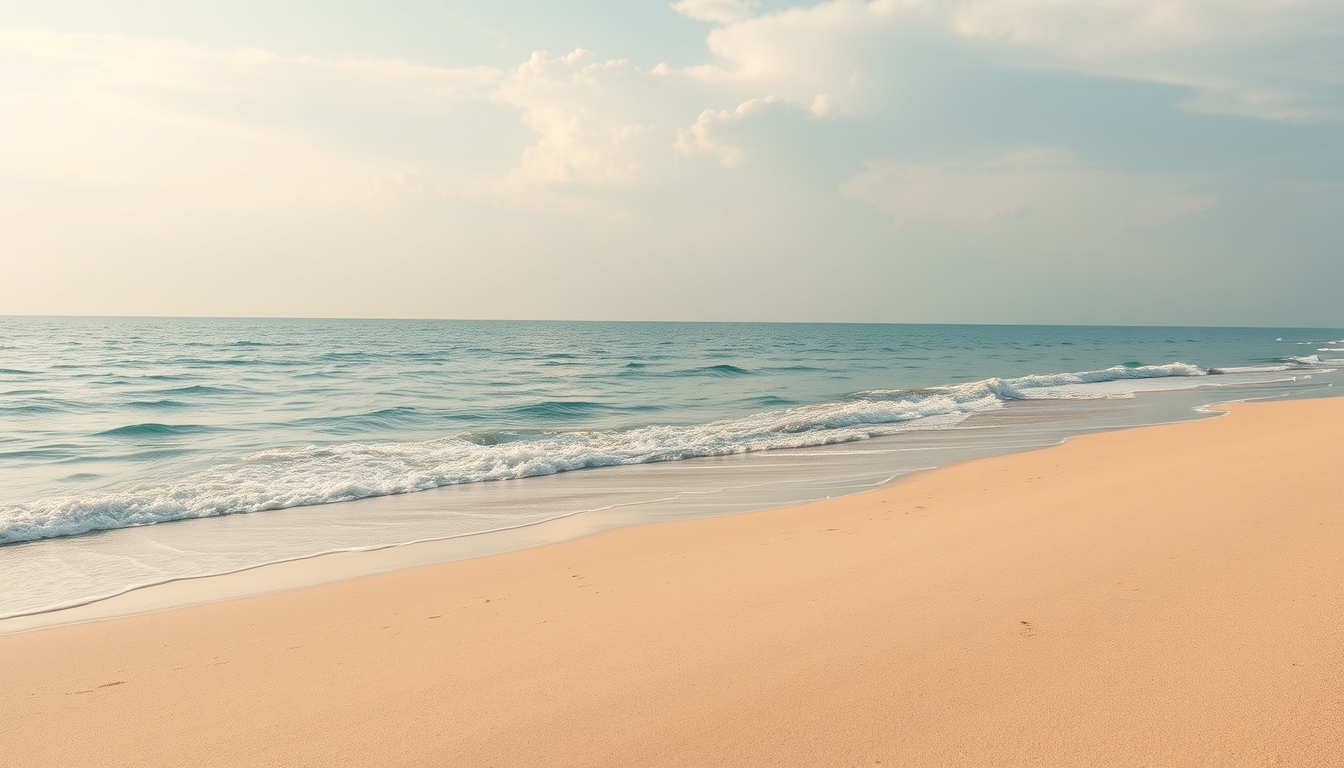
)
(141, 451)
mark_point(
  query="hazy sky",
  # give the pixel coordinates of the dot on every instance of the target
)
(1069, 161)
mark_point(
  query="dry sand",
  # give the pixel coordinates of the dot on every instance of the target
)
(1166, 596)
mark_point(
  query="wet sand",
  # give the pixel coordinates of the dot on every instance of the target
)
(1169, 595)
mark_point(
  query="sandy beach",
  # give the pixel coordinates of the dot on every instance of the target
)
(1165, 596)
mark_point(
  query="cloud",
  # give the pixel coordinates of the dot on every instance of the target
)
(872, 134)
(272, 121)
(1274, 60)
(716, 11)
(122, 121)
(601, 122)
(1041, 199)
(154, 69)
(713, 131)
(1280, 61)
(823, 58)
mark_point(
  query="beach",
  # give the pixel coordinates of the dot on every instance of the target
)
(1169, 595)
(267, 441)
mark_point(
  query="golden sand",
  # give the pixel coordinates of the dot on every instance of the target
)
(1169, 596)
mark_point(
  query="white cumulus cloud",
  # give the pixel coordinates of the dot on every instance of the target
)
(712, 131)
(716, 11)
(1271, 60)
(599, 120)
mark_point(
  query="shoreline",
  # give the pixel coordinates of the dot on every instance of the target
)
(50, 573)
(318, 567)
(1193, 616)
(330, 566)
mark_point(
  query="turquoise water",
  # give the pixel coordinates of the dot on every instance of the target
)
(111, 425)
(112, 422)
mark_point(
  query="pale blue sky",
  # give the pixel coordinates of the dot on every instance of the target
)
(976, 161)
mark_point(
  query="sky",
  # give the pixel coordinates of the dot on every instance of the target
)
(967, 161)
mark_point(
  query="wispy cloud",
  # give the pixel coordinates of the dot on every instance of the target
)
(146, 116)
(138, 67)
(1045, 199)
(1273, 60)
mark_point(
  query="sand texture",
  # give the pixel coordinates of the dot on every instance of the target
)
(1167, 596)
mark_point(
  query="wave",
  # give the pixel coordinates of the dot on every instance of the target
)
(1280, 364)
(561, 409)
(45, 452)
(194, 389)
(381, 418)
(1253, 369)
(26, 410)
(1056, 385)
(207, 362)
(721, 370)
(150, 430)
(41, 405)
(769, 401)
(305, 475)
(715, 370)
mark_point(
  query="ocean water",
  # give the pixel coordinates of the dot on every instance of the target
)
(137, 451)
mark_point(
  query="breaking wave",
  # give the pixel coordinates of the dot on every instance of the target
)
(295, 476)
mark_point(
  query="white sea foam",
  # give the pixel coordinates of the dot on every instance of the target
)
(1255, 368)
(296, 476)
